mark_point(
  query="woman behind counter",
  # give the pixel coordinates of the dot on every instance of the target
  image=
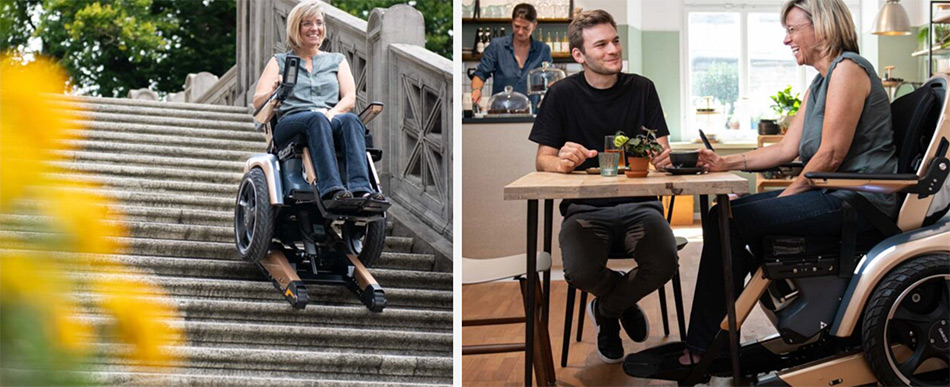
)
(509, 58)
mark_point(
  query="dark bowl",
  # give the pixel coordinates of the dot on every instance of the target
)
(769, 127)
(684, 159)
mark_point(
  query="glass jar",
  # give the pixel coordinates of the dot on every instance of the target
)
(541, 79)
(509, 101)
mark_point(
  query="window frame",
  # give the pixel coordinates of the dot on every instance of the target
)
(743, 8)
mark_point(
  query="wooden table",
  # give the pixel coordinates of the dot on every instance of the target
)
(549, 186)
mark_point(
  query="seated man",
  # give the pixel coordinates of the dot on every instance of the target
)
(578, 112)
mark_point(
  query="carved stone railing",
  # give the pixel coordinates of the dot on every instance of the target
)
(390, 64)
(223, 92)
(420, 139)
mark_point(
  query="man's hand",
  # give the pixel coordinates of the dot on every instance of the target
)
(662, 160)
(571, 155)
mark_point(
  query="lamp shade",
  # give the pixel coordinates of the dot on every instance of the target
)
(892, 20)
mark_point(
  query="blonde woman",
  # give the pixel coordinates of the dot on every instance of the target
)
(319, 107)
(843, 125)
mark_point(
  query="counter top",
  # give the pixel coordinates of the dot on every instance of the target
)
(497, 120)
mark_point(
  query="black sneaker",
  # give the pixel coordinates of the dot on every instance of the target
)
(609, 346)
(635, 323)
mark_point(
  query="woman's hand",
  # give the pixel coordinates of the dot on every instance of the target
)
(711, 161)
(330, 114)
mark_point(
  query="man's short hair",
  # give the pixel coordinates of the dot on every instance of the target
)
(584, 20)
(306, 10)
(525, 11)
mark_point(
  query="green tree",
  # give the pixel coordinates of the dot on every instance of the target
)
(16, 25)
(436, 13)
(720, 81)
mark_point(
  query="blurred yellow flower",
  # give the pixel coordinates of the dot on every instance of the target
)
(82, 212)
(141, 320)
(32, 126)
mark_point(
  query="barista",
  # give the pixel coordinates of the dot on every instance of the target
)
(510, 58)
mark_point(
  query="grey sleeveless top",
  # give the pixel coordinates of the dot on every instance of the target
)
(872, 150)
(319, 89)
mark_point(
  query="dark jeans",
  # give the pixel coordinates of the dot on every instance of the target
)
(324, 138)
(638, 230)
(811, 213)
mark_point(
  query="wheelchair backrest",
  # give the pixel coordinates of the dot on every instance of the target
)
(921, 122)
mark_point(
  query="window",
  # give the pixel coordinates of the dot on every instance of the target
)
(736, 59)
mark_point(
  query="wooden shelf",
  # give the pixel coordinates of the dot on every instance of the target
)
(558, 57)
(942, 19)
(939, 51)
(508, 20)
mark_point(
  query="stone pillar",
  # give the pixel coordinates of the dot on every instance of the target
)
(196, 85)
(397, 24)
(143, 93)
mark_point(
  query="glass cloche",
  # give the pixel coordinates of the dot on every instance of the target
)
(509, 101)
(541, 79)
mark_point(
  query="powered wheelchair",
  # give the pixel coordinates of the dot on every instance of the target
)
(283, 227)
(850, 312)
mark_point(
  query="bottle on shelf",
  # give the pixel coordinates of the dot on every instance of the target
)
(480, 45)
(556, 48)
(487, 39)
(540, 36)
(502, 33)
(549, 42)
(565, 44)
(478, 38)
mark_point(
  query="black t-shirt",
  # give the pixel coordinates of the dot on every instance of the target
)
(575, 111)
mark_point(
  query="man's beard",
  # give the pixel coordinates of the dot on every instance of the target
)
(602, 70)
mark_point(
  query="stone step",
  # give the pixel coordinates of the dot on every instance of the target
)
(160, 175)
(82, 156)
(180, 378)
(161, 111)
(127, 127)
(131, 183)
(332, 365)
(247, 126)
(354, 316)
(173, 141)
(314, 337)
(154, 104)
(160, 150)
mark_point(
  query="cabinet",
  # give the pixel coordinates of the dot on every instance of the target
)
(494, 15)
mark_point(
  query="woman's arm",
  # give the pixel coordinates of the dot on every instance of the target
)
(268, 82)
(848, 88)
(772, 156)
(347, 91)
(477, 83)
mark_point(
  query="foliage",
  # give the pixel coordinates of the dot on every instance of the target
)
(786, 104)
(43, 331)
(436, 13)
(109, 47)
(643, 145)
(941, 37)
(721, 81)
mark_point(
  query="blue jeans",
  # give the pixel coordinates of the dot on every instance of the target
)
(811, 213)
(324, 138)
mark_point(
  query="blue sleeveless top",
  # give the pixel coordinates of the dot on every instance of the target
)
(319, 89)
(872, 149)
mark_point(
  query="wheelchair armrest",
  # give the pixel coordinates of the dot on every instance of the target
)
(796, 164)
(375, 154)
(867, 182)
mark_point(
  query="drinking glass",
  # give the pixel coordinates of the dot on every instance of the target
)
(608, 163)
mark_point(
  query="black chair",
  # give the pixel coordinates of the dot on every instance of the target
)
(677, 298)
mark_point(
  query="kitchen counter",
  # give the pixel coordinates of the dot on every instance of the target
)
(498, 120)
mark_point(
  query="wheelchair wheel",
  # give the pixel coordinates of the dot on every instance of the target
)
(366, 241)
(906, 329)
(253, 217)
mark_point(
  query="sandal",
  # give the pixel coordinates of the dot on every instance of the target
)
(375, 196)
(330, 199)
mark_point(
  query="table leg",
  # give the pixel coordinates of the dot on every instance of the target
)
(703, 209)
(531, 273)
(724, 214)
(548, 227)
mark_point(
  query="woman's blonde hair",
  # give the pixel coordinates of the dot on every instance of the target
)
(306, 10)
(832, 22)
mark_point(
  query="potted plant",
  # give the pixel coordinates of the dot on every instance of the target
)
(638, 150)
(786, 105)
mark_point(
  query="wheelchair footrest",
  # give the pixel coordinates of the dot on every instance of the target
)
(800, 268)
(660, 362)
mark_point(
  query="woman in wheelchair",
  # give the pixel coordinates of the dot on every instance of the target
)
(844, 125)
(319, 108)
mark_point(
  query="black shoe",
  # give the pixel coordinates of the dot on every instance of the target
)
(334, 199)
(609, 346)
(635, 323)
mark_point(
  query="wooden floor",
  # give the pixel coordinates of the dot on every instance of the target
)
(584, 367)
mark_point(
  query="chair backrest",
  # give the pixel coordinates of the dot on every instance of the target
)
(920, 122)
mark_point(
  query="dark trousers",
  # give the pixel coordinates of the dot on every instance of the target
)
(345, 133)
(638, 230)
(811, 213)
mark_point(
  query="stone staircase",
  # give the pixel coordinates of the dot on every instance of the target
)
(175, 169)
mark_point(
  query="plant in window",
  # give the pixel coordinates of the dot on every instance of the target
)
(786, 105)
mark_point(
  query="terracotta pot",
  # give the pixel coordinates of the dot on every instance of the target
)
(638, 166)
